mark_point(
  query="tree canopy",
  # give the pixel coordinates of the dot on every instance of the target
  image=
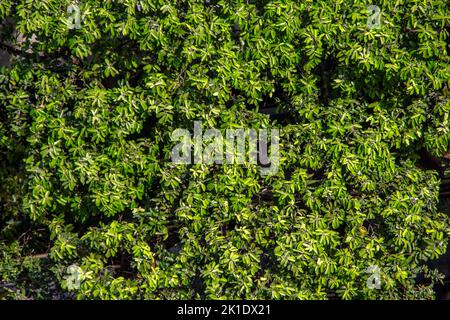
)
(88, 106)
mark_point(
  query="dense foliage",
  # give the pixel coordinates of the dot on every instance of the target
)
(86, 177)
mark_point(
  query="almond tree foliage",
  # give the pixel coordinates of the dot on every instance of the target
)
(85, 141)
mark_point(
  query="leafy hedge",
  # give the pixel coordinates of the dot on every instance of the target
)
(85, 141)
